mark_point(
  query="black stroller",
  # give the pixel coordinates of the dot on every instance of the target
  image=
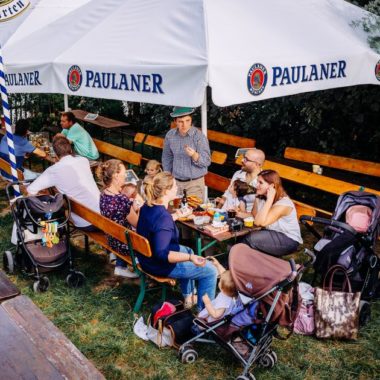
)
(353, 250)
(42, 238)
(268, 297)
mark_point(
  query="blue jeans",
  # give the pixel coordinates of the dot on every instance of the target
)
(187, 273)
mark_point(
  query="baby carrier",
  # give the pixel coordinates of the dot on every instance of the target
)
(268, 298)
(41, 238)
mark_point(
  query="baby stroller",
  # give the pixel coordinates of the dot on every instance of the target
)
(42, 240)
(268, 297)
(352, 248)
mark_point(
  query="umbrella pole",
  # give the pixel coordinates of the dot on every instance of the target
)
(204, 130)
(66, 102)
(7, 119)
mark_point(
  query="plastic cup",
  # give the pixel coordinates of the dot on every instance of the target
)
(248, 222)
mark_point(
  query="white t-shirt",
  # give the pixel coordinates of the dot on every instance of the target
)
(250, 198)
(71, 176)
(288, 224)
(222, 301)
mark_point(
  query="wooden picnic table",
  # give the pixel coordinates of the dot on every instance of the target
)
(106, 124)
(201, 233)
(33, 348)
(7, 288)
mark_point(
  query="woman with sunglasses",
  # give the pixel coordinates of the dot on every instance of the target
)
(275, 212)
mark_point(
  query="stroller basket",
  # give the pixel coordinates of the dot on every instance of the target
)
(44, 255)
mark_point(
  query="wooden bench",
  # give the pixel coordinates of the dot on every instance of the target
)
(135, 242)
(158, 142)
(226, 138)
(129, 156)
(33, 348)
(4, 165)
(336, 162)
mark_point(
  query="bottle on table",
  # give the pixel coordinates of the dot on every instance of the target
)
(184, 202)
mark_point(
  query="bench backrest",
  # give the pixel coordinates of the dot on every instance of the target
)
(104, 224)
(4, 165)
(217, 182)
(139, 244)
(317, 181)
(336, 162)
(158, 142)
(226, 138)
(122, 154)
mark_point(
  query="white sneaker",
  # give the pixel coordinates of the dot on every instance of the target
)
(112, 258)
(125, 272)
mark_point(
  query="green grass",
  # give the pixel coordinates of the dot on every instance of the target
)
(98, 320)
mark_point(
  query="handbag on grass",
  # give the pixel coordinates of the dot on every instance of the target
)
(336, 312)
(169, 324)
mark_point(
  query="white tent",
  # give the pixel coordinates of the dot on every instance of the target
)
(168, 51)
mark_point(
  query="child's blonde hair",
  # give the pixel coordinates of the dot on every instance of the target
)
(153, 164)
(227, 284)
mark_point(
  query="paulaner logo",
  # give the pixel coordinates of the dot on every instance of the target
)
(74, 78)
(12, 8)
(377, 70)
(289, 75)
(257, 79)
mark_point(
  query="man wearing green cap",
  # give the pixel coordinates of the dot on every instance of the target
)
(186, 153)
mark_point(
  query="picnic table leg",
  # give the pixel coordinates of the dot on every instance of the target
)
(141, 296)
(163, 292)
(198, 247)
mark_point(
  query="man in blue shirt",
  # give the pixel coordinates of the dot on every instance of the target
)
(22, 148)
(186, 153)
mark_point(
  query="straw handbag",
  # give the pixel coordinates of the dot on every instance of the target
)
(336, 312)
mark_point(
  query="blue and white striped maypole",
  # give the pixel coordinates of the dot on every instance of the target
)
(8, 127)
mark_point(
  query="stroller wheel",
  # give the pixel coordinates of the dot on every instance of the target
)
(364, 313)
(189, 355)
(42, 285)
(8, 262)
(75, 279)
(267, 360)
(249, 377)
(274, 356)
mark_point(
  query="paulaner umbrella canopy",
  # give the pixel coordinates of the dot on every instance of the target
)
(169, 51)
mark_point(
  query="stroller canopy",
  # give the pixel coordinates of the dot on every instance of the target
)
(253, 272)
(352, 198)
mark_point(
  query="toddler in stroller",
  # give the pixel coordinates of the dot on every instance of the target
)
(268, 297)
(42, 240)
(349, 240)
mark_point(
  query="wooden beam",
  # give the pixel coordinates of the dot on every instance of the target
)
(218, 157)
(217, 182)
(106, 225)
(316, 181)
(117, 152)
(226, 138)
(336, 162)
(4, 165)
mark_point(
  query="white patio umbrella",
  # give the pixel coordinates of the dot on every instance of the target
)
(168, 51)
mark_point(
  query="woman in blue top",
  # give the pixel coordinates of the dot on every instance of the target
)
(169, 258)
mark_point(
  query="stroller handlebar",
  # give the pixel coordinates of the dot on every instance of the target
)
(304, 219)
